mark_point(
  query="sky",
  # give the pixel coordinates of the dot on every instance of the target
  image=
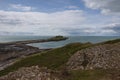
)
(60, 17)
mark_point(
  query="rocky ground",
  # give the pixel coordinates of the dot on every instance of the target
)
(9, 53)
(31, 73)
(105, 56)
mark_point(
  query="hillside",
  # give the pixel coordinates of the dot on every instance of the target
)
(52, 59)
(75, 61)
(11, 51)
(105, 56)
(31, 73)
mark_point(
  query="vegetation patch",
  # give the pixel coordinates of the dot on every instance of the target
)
(57, 38)
(52, 59)
(56, 58)
(111, 41)
(88, 75)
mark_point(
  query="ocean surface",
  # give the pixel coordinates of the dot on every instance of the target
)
(72, 39)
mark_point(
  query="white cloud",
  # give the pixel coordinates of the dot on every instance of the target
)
(21, 7)
(110, 8)
(113, 27)
(68, 22)
(72, 7)
(106, 6)
(40, 23)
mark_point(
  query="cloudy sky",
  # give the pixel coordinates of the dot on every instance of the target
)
(60, 17)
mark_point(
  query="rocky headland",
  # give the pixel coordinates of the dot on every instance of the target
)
(11, 51)
(105, 56)
(75, 61)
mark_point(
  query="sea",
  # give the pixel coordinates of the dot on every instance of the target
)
(45, 45)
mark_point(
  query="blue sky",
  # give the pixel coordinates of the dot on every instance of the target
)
(60, 17)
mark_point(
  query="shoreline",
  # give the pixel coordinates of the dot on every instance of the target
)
(11, 51)
(56, 38)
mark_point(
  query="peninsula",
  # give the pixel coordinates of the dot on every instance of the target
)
(11, 51)
(56, 38)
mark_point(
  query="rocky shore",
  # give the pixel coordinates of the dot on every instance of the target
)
(75, 61)
(56, 38)
(11, 51)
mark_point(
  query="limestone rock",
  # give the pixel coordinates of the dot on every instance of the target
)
(105, 56)
(30, 73)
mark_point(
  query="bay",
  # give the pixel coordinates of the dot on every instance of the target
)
(72, 39)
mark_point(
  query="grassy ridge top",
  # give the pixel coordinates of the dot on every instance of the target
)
(112, 41)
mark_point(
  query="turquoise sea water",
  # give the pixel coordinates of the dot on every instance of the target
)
(72, 39)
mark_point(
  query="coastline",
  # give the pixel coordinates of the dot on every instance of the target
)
(76, 59)
(11, 51)
(56, 38)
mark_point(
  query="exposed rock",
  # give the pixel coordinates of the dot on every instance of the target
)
(100, 56)
(31, 73)
(9, 53)
(106, 56)
(56, 38)
(114, 74)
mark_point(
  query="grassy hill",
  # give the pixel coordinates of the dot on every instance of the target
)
(55, 59)
(52, 59)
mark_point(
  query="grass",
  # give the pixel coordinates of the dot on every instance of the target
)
(52, 59)
(58, 38)
(56, 58)
(111, 41)
(88, 75)
(97, 74)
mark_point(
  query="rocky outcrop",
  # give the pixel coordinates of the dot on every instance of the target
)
(31, 73)
(102, 56)
(105, 56)
(9, 53)
(56, 38)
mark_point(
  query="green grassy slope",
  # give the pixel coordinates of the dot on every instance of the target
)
(88, 75)
(56, 58)
(112, 41)
(53, 59)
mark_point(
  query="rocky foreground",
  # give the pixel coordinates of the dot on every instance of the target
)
(31, 73)
(97, 62)
(105, 56)
(11, 51)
